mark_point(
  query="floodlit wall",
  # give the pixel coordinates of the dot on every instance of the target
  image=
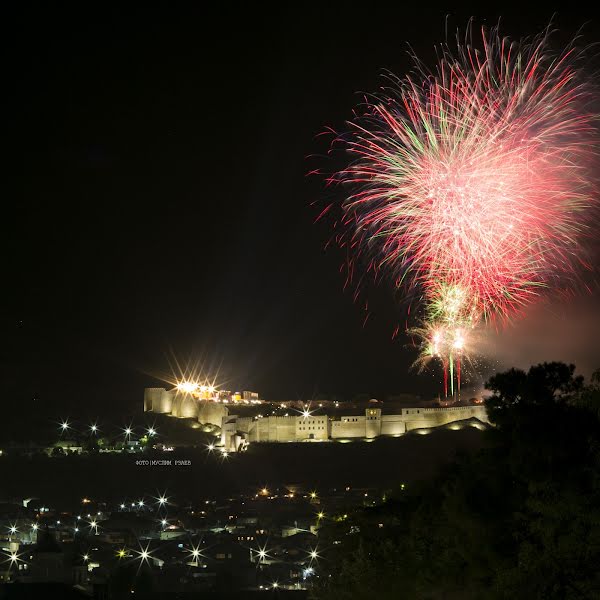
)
(272, 429)
(152, 398)
(176, 405)
(417, 418)
(158, 400)
(372, 422)
(349, 427)
(277, 429)
(228, 432)
(245, 424)
(370, 425)
(188, 408)
(392, 425)
(166, 402)
(211, 412)
(312, 428)
(184, 406)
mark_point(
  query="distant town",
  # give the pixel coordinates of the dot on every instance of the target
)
(265, 538)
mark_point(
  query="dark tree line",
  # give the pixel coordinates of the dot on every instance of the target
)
(518, 519)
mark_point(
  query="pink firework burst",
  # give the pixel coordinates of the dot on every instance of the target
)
(475, 177)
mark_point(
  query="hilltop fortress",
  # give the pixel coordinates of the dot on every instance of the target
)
(322, 424)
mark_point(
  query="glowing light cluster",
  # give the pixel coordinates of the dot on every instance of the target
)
(191, 387)
(470, 184)
(210, 391)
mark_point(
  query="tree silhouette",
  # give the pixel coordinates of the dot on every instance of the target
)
(518, 519)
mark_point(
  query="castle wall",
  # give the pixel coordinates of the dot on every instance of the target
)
(348, 427)
(273, 429)
(184, 406)
(158, 400)
(151, 396)
(392, 425)
(312, 428)
(211, 412)
(417, 418)
(245, 424)
(176, 405)
(189, 408)
(228, 431)
(299, 428)
(281, 429)
(165, 404)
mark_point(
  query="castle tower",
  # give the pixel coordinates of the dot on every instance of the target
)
(211, 412)
(185, 406)
(151, 398)
(158, 400)
(166, 402)
(372, 422)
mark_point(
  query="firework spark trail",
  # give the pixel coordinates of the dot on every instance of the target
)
(470, 183)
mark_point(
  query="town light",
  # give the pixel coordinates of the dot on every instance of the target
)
(144, 554)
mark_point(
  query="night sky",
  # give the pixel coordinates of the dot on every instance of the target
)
(157, 208)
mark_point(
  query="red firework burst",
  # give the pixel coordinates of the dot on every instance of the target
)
(475, 177)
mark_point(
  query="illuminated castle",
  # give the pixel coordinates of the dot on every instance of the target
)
(209, 406)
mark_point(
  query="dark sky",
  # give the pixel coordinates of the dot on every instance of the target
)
(156, 204)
